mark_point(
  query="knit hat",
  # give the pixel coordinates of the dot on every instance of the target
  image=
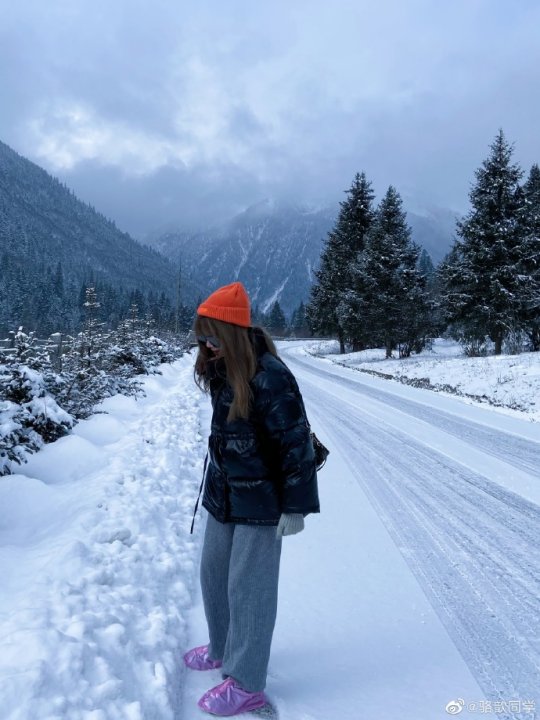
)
(229, 303)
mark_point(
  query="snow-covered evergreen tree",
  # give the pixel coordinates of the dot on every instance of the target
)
(275, 321)
(29, 414)
(483, 280)
(299, 323)
(136, 350)
(388, 304)
(473, 340)
(433, 292)
(425, 266)
(124, 357)
(343, 245)
(531, 257)
(86, 380)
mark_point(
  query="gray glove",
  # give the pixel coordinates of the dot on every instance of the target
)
(290, 524)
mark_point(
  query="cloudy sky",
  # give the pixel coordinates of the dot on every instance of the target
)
(184, 112)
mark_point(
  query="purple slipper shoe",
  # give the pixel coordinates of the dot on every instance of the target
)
(197, 659)
(229, 698)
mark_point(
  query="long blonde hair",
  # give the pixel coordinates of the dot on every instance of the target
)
(238, 352)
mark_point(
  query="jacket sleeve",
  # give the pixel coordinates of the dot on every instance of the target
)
(283, 419)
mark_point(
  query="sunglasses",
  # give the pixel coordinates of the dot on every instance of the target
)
(212, 339)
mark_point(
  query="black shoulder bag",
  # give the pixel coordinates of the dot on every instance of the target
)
(321, 451)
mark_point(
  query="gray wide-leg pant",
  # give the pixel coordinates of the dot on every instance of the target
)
(239, 581)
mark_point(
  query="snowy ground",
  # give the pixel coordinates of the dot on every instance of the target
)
(509, 382)
(417, 586)
(97, 564)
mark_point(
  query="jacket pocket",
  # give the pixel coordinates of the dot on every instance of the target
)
(242, 457)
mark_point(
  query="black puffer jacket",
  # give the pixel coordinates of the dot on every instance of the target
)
(262, 466)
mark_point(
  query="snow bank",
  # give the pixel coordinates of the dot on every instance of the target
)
(97, 563)
(511, 383)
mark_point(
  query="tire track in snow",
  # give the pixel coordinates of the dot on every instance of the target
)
(471, 543)
(519, 451)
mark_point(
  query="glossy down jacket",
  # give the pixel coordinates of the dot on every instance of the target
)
(260, 467)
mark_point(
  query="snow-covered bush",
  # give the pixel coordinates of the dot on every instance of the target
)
(29, 414)
(474, 341)
(15, 439)
(142, 349)
(515, 342)
(45, 389)
(157, 351)
(93, 370)
(98, 364)
(101, 363)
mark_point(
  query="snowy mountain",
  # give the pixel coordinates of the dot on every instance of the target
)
(271, 247)
(44, 227)
(274, 248)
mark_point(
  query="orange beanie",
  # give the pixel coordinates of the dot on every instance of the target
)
(229, 303)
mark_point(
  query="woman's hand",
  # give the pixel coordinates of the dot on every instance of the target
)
(289, 524)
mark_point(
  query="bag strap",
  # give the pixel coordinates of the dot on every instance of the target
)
(199, 495)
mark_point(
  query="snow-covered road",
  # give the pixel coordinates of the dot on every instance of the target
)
(439, 482)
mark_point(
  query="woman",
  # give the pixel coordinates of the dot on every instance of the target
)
(260, 483)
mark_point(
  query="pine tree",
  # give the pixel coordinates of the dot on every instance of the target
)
(483, 283)
(343, 245)
(126, 357)
(425, 266)
(299, 323)
(276, 322)
(29, 414)
(86, 380)
(531, 256)
(389, 294)
(433, 292)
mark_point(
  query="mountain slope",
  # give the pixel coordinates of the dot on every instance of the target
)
(42, 224)
(271, 248)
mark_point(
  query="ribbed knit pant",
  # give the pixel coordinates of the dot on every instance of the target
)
(239, 581)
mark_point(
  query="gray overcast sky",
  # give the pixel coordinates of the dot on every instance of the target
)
(175, 111)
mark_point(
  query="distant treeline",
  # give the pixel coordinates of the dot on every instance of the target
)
(51, 304)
